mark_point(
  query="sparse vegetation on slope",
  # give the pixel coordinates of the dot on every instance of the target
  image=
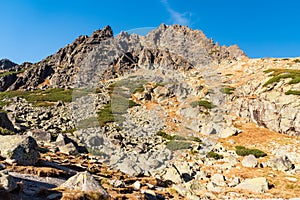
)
(278, 74)
(214, 155)
(294, 92)
(40, 97)
(202, 103)
(227, 90)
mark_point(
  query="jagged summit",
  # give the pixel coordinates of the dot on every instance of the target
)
(6, 64)
(176, 42)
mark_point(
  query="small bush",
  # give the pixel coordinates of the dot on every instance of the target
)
(294, 92)
(243, 151)
(214, 155)
(278, 74)
(164, 135)
(227, 90)
(178, 145)
(202, 103)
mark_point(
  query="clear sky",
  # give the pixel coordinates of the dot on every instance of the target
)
(33, 29)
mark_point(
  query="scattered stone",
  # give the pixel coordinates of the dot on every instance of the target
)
(68, 149)
(137, 185)
(40, 135)
(249, 161)
(282, 163)
(234, 182)
(218, 179)
(172, 175)
(212, 187)
(258, 185)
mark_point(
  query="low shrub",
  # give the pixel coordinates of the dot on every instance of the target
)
(178, 145)
(214, 155)
(243, 151)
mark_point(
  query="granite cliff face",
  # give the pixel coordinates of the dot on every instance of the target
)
(169, 111)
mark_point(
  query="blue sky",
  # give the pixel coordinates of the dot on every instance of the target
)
(33, 29)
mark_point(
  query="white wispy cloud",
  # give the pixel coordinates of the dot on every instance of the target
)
(177, 17)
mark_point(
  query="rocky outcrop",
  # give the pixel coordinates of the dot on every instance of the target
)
(6, 64)
(5, 122)
(22, 150)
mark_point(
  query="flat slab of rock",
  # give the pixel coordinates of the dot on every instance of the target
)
(257, 185)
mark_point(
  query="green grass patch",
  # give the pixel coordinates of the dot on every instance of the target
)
(214, 155)
(40, 97)
(178, 145)
(7, 73)
(227, 90)
(165, 135)
(202, 103)
(114, 109)
(278, 74)
(243, 151)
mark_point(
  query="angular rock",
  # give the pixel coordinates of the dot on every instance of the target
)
(282, 163)
(172, 175)
(40, 135)
(257, 185)
(68, 149)
(19, 148)
(249, 161)
(7, 183)
(218, 179)
(212, 187)
(84, 182)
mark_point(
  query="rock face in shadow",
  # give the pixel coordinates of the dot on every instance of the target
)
(6, 64)
(5, 122)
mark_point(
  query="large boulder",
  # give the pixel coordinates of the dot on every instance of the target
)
(5, 122)
(22, 149)
(256, 185)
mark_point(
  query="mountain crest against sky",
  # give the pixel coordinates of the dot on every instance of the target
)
(174, 41)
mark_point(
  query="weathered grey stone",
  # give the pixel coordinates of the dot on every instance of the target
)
(249, 161)
(40, 135)
(258, 185)
(68, 149)
(212, 187)
(85, 182)
(22, 149)
(172, 175)
(282, 163)
(218, 179)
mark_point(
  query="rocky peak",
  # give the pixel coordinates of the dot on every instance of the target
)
(6, 64)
